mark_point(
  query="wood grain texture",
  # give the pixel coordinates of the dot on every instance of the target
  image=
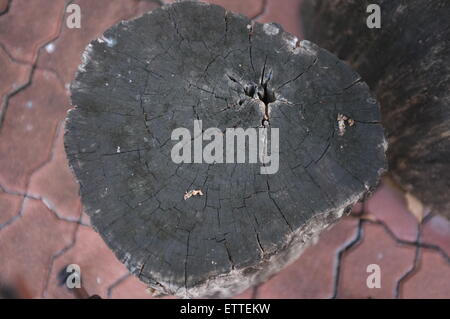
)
(407, 65)
(190, 61)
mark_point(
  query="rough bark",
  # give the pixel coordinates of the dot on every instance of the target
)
(407, 65)
(190, 61)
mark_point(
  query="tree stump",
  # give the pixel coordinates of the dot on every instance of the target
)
(407, 64)
(214, 229)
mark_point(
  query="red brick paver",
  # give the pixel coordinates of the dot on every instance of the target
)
(436, 232)
(388, 205)
(55, 183)
(431, 278)
(376, 247)
(313, 275)
(3, 5)
(99, 267)
(29, 244)
(64, 54)
(29, 129)
(43, 229)
(14, 74)
(11, 205)
(29, 25)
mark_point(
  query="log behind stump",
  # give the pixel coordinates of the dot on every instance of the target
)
(190, 61)
(407, 64)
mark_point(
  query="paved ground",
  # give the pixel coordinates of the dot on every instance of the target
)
(43, 228)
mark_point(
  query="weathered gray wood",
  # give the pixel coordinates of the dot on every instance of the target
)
(407, 64)
(190, 61)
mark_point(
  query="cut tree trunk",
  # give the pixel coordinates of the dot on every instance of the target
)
(407, 65)
(199, 229)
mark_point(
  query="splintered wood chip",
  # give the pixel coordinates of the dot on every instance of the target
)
(192, 193)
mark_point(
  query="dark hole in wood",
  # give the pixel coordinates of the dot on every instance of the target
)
(250, 90)
(267, 95)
